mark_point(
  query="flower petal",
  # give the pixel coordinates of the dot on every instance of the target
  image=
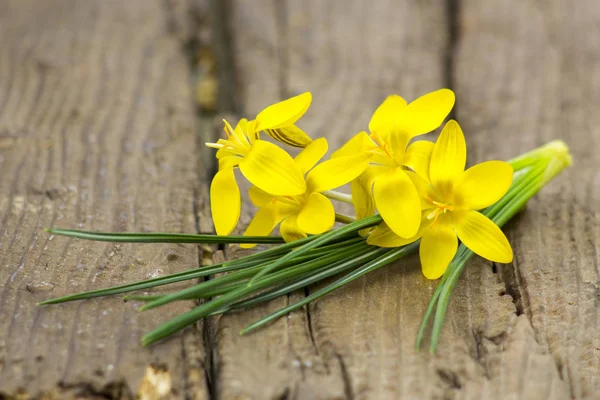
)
(317, 215)
(361, 142)
(290, 231)
(437, 249)
(290, 135)
(398, 202)
(384, 118)
(398, 140)
(425, 190)
(448, 157)
(482, 185)
(426, 113)
(418, 156)
(284, 113)
(362, 193)
(336, 172)
(273, 170)
(482, 236)
(383, 236)
(249, 130)
(259, 197)
(261, 225)
(225, 202)
(311, 155)
(240, 128)
(228, 162)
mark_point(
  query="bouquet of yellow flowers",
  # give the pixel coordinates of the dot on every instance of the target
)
(407, 195)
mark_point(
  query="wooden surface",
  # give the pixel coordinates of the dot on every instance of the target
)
(98, 130)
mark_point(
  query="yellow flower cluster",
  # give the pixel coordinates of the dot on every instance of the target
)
(420, 188)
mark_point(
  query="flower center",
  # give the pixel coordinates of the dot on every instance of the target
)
(383, 153)
(441, 208)
(237, 143)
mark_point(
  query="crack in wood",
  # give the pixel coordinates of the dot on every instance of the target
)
(346, 377)
(309, 324)
(452, 13)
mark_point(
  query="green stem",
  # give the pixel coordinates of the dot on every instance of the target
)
(339, 196)
(310, 278)
(345, 219)
(199, 289)
(159, 237)
(188, 318)
(321, 240)
(389, 256)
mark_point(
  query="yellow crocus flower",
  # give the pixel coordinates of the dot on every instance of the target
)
(264, 164)
(309, 212)
(450, 200)
(384, 184)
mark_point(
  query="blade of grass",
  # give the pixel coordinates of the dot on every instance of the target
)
(310, 278)
(388, 257)
(160, 281)
(187, 318)
(321, 239)
(197, 290)
(161, 237)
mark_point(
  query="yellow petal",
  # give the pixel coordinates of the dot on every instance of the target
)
(360, 143)
(398, 203)
(273, 170)
(438, 247)
(284, 113)
(426, 113)
(241, 126)
(249, 129)
(259, 197)
(290, 231)
(317, 215)
(482, 236)
(311, 155)
(448, 157)
(290, 135)
(425, 190)
(336, 172)
(228, 162)
(383, 236)
(398, 141)
(384, 119)
(261, 225)
(418, 156)
(362, 198)
(225, 202)
(223, 152)
(482, 185)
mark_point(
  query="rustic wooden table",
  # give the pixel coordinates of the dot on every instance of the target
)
(100, 130)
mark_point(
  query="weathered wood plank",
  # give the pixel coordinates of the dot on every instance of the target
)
(527, 73)
(358, 342)
(97, 132)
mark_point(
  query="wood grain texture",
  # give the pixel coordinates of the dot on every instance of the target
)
(526, 73)
(97, 132)
(363, 336)
(366, 332)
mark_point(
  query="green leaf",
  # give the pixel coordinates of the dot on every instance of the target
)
(320, 240)
(388, 256)
(159, 237)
